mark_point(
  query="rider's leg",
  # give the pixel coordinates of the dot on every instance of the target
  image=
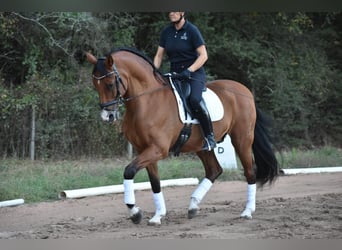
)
(201, 113)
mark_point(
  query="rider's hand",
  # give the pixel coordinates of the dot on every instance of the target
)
(185, 74)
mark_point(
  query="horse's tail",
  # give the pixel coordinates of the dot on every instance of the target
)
(267, 168)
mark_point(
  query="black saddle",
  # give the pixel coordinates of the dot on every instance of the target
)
(183, 88)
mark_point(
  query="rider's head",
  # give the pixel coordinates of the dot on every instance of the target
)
(176, 17)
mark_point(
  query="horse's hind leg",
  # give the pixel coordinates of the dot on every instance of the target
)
(212, 171)
(244, 151)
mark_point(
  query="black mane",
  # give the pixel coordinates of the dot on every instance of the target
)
(138, 53)
(135, 51)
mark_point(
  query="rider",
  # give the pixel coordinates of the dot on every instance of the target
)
(185, 48)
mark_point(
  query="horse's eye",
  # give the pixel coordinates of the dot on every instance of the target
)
(110, 86)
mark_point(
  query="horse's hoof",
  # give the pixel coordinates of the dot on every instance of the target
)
(153, 223)
(155, 220)
(192, 213)
(248, 217)
(247, 214)
(137, 217)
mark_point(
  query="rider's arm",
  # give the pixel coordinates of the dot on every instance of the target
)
(158, 58)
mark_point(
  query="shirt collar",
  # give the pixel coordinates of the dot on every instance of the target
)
(185, 26)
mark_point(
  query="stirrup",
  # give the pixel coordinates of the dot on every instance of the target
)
(209, 144)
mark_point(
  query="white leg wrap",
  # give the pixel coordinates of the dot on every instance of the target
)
(251, 194)
(159, 202)
(250, 205)
(129, 192)
(199, 193)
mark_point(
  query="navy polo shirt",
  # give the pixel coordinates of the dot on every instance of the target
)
(180, 45)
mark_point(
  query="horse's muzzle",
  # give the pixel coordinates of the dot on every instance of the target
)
(110, 115)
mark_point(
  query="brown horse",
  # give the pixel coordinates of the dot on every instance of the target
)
(152, 125)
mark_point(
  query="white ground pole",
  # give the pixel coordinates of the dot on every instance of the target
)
(311, 170)
(79, 193)
(11, 203)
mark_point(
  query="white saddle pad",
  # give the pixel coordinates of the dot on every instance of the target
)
(212, 101)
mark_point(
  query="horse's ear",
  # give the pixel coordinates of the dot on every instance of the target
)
(92, 59)
(109, 61)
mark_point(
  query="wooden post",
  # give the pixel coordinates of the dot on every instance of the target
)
(129, 151)
(33, 133)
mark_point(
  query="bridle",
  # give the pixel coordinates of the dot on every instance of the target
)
(118, 99)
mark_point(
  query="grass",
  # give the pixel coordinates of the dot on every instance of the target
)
(37, 181)
(319, 157)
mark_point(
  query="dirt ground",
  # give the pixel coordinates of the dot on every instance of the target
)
(297, 207)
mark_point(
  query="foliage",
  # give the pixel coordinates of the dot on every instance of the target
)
(290, 61)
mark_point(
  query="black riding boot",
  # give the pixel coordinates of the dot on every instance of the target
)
(202, 115)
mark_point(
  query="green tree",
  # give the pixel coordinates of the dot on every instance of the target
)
(290, 61)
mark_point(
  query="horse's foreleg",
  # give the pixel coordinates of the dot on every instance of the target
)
(158, 196)
(212, 171)
(135, 212)
(148, 159)
(159, 203)
(197, 196)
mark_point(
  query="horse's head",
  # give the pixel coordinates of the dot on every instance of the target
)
(106, 81)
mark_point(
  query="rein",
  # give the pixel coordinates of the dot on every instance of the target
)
(145, 93)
